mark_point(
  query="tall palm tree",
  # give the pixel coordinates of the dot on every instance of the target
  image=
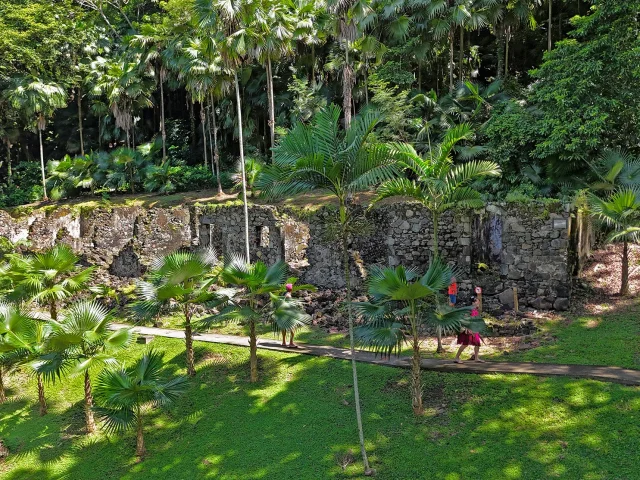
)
(152, 41)
(233, 21)
(22, 338)
(124, 394)
(439, 184)
(352, 18)
(126, 87)
(620, 213)
(275, 30)
(80, 342)
(322, 156)
(37, 100)
(182, 277)
(251, 297)
(47, 277)
(403, 303)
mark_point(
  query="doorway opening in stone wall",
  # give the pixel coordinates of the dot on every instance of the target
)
(262, 237)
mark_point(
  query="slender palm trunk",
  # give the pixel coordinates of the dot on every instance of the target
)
(99, 132)
(549, 36)
(41, 400)
(192, 124)
(80, 121)
(203, 120)
(347, 80)
(216, 153)
(3, 396)
(313, 65)
(244, 177)
(500, 47)
(419, 75)
(140, 448)
(624, 285)
(356, 390)
(253, 351)
(461, 54)
(506, 51)
(188, 340)
(366, 84)
(44, 179)
(272, 108)
(88, 404)
(9, 172)
(213, 163)
(416, 381)
(162, 124)
(451, 59)
(436, 221)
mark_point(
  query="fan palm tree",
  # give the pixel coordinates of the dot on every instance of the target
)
(37, 100)
(620, 213)
(22, 339)
(439, 184)
(182, 277)
(251, 296)
(615, 168)
(47, 277)
(124, 394)
(321, 156)
(403, 303)
(80, 342)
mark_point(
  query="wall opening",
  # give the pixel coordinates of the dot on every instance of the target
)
(262, 237)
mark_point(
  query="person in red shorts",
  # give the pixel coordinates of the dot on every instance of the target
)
(466, 337)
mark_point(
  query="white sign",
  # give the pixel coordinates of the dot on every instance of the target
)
(478, 290)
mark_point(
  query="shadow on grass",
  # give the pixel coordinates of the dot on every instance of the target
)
(298, 422)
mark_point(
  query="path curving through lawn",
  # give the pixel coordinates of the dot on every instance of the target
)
(603, 373)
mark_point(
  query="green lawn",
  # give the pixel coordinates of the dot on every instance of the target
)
(298, 423)
(608, 338)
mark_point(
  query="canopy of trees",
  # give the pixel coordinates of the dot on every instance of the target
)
(546, 86)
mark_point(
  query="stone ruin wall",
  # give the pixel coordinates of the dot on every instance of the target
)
(522, 246)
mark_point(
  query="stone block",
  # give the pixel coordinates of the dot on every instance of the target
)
(541, 303)
(561, 304)
(506, 298)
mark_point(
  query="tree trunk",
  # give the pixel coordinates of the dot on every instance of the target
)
(53, 310)
(3, 396)
(506, 51)
(416, 381)
(163, 130)
(549, 36)
(313, 65)
(253, 351)
(9, 172)
(88, 404)
(436, 221)
(451, 60)
(188, 340)
(272, 113)
(500, 47)
(204, 135)
(44, 179)
(213, 163)
(461, 54)
(419, 75)
(216, 153)
(242, 169)
(41, 399)
(192, 123)
(140, 448)
(80, 121)
(99, 132)
(347, 79)
(624, 284)
(356, 391)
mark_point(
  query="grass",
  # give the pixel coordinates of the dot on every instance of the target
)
(609, 337)
(298, 423)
